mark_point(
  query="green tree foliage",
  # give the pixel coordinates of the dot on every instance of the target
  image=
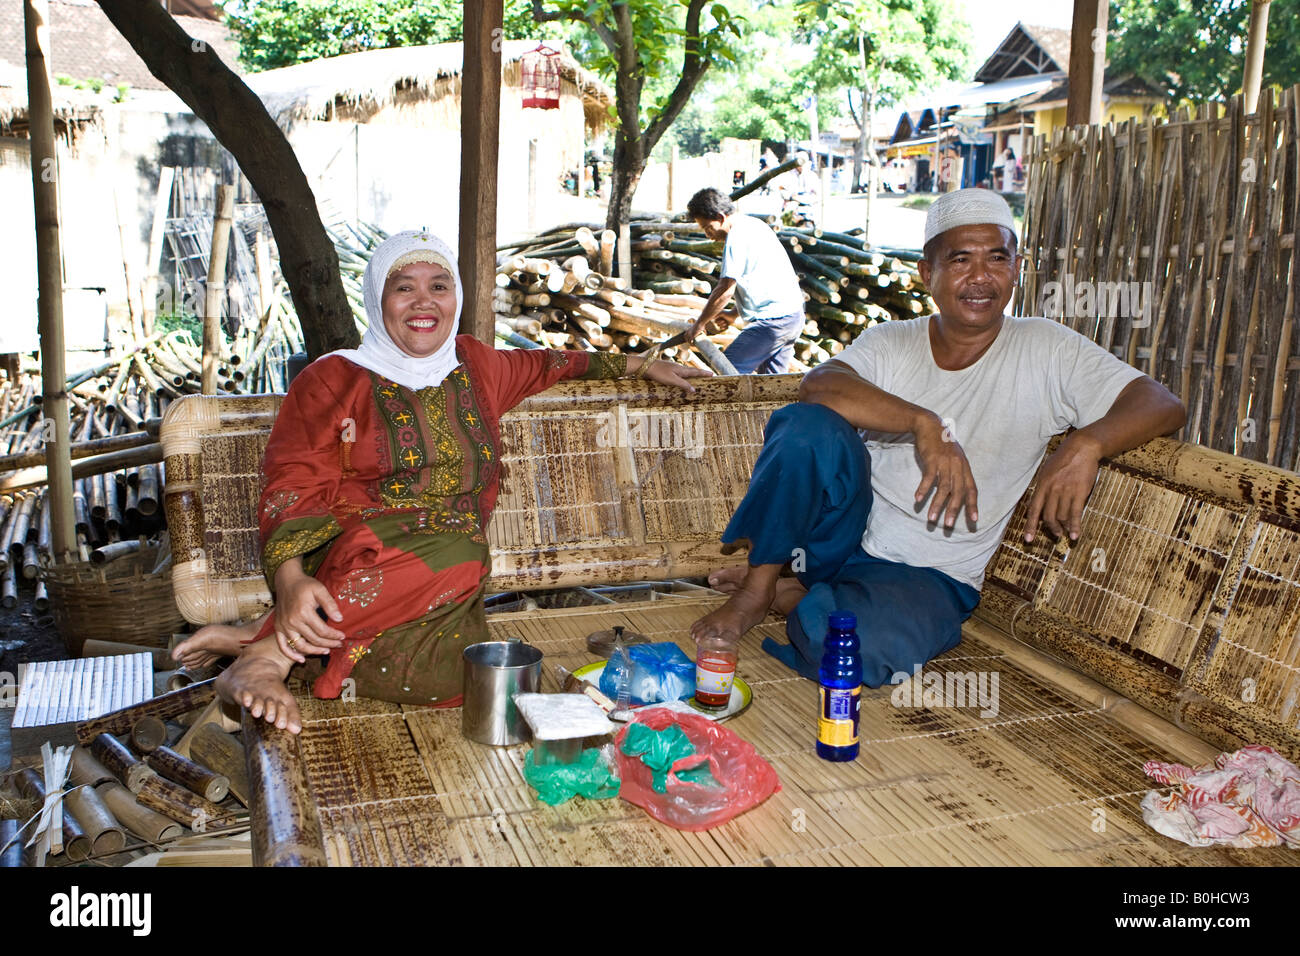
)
(773, 78)
(275, 33)
(878, 52)
(1195, 50)
(656, 52)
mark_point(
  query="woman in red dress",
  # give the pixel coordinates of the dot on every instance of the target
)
(380, 476)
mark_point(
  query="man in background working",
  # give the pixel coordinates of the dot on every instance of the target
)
(757, 272)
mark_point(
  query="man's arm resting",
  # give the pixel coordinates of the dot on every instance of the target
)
(1141, 412)
(862, 404)
(943, 463)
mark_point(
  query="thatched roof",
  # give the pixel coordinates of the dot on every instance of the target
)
(72, 108)
(373, 79)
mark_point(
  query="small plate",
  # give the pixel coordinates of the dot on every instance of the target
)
(741, 695)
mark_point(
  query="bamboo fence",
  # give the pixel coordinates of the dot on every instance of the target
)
(1198, 217)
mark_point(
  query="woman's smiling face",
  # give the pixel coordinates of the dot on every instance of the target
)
(419, 307)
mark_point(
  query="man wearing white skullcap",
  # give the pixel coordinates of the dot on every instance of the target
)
(918, 423)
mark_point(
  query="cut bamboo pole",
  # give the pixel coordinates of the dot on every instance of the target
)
(112, 753)
(49, 269)
(102, 829)
(86, 770)
(146, 824)
(185, 807)
(215, 294)
(75, 842)
(212, 747)
(207, 783)
(163, 707)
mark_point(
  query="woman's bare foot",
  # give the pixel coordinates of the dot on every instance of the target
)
(746, 606)
(210, 643)
(256, 682)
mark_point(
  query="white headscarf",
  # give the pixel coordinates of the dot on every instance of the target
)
(378, 351)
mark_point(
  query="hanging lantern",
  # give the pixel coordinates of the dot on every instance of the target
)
(539, 74)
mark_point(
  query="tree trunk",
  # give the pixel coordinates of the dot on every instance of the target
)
(627, 168)
(241, 124)
(625, 177)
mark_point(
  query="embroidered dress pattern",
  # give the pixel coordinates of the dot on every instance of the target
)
(394, 525)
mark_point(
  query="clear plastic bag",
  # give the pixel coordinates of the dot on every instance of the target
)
(743, 778)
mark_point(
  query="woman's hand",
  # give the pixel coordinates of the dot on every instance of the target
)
(299, 629)
(665, 372)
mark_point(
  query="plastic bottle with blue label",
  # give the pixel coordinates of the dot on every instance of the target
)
(840, 680)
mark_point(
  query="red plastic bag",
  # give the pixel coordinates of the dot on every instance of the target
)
(747, 779)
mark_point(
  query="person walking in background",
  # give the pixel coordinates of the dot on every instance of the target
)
(757, 272)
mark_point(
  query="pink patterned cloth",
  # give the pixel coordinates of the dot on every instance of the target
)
(1244, 799)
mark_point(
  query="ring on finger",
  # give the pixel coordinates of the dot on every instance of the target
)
(293, 643)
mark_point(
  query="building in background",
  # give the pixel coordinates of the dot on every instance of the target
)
(963, 133)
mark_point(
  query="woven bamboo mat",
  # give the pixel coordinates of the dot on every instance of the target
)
(1048, 780)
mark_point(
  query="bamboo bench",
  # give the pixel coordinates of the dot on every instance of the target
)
(1179, 605)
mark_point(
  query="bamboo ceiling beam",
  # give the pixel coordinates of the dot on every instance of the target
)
(49, 270)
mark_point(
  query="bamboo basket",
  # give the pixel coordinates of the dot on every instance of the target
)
(119, 601)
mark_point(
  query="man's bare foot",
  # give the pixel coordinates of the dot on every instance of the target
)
(210, 643)
(256, 682)
(728, 580)
(789, 592)
(746, 606)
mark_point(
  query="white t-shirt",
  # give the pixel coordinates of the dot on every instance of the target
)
(1035, 380)
(766, 286)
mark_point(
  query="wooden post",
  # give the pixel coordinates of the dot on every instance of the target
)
(1087, 61)
(672, 171)
(216, 290)
(49, 271)
(1255, 54)
(532, 186)
(625, 252)
(480, 110)
(157, 231)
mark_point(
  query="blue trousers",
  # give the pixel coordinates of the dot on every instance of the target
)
(766, 349)
(807, 504)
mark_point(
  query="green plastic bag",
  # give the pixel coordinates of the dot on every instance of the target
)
(660, 749)
(585, 777)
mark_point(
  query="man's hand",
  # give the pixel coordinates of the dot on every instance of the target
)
(299, 630)
(703, 326)
(1063, 487)
(945, 470)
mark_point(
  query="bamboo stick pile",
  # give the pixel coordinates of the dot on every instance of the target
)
(116, 408)
(558, 289)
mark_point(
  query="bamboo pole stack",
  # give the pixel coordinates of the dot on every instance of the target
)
(556, 290)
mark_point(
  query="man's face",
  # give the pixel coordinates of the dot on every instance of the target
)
(972, 275)
(715, 229)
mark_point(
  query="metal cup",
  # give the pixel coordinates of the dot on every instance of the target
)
(494, 672)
